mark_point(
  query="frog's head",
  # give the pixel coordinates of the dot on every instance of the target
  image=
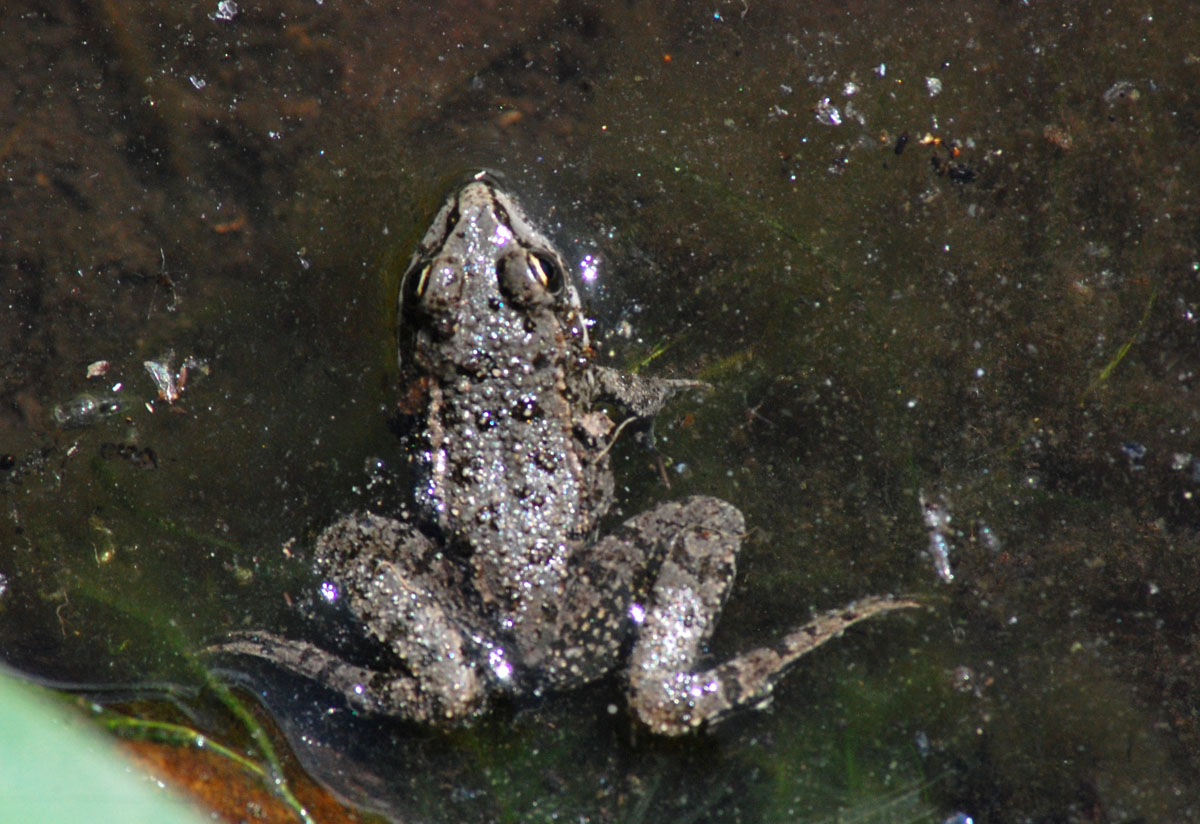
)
(485, 276)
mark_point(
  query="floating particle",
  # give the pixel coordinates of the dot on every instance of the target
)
(226, 10)
(98, 369)
(1121, 90)
(827, 113)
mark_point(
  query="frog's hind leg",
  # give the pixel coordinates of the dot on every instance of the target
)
(394, 584)
(701, 537)
(367, 690)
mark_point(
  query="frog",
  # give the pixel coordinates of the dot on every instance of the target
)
(497, 581)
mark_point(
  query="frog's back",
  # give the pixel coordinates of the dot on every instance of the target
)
(500, 344)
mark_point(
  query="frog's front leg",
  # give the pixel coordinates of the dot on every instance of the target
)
(408, 598)
(643, 397)
(696, 541)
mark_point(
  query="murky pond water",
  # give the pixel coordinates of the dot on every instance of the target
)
(940, 265)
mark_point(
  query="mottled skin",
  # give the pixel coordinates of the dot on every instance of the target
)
(499, 584)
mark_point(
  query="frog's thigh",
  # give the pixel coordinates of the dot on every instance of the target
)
(699, 539)
(609, 592)
(407, 601)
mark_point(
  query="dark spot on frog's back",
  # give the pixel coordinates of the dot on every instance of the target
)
(527, 408)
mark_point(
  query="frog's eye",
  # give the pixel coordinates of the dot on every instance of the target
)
(547, 271)
(529, 277)
(416, 281)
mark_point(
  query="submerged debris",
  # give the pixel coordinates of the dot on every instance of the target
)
(142, 458)
(85, 409)
(164, 378)
(827, 113)
(987, 536)
(1121, 90)
(1136, 453)
(936, 514)
(98, 369)
(170, 384)
(226, 11)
